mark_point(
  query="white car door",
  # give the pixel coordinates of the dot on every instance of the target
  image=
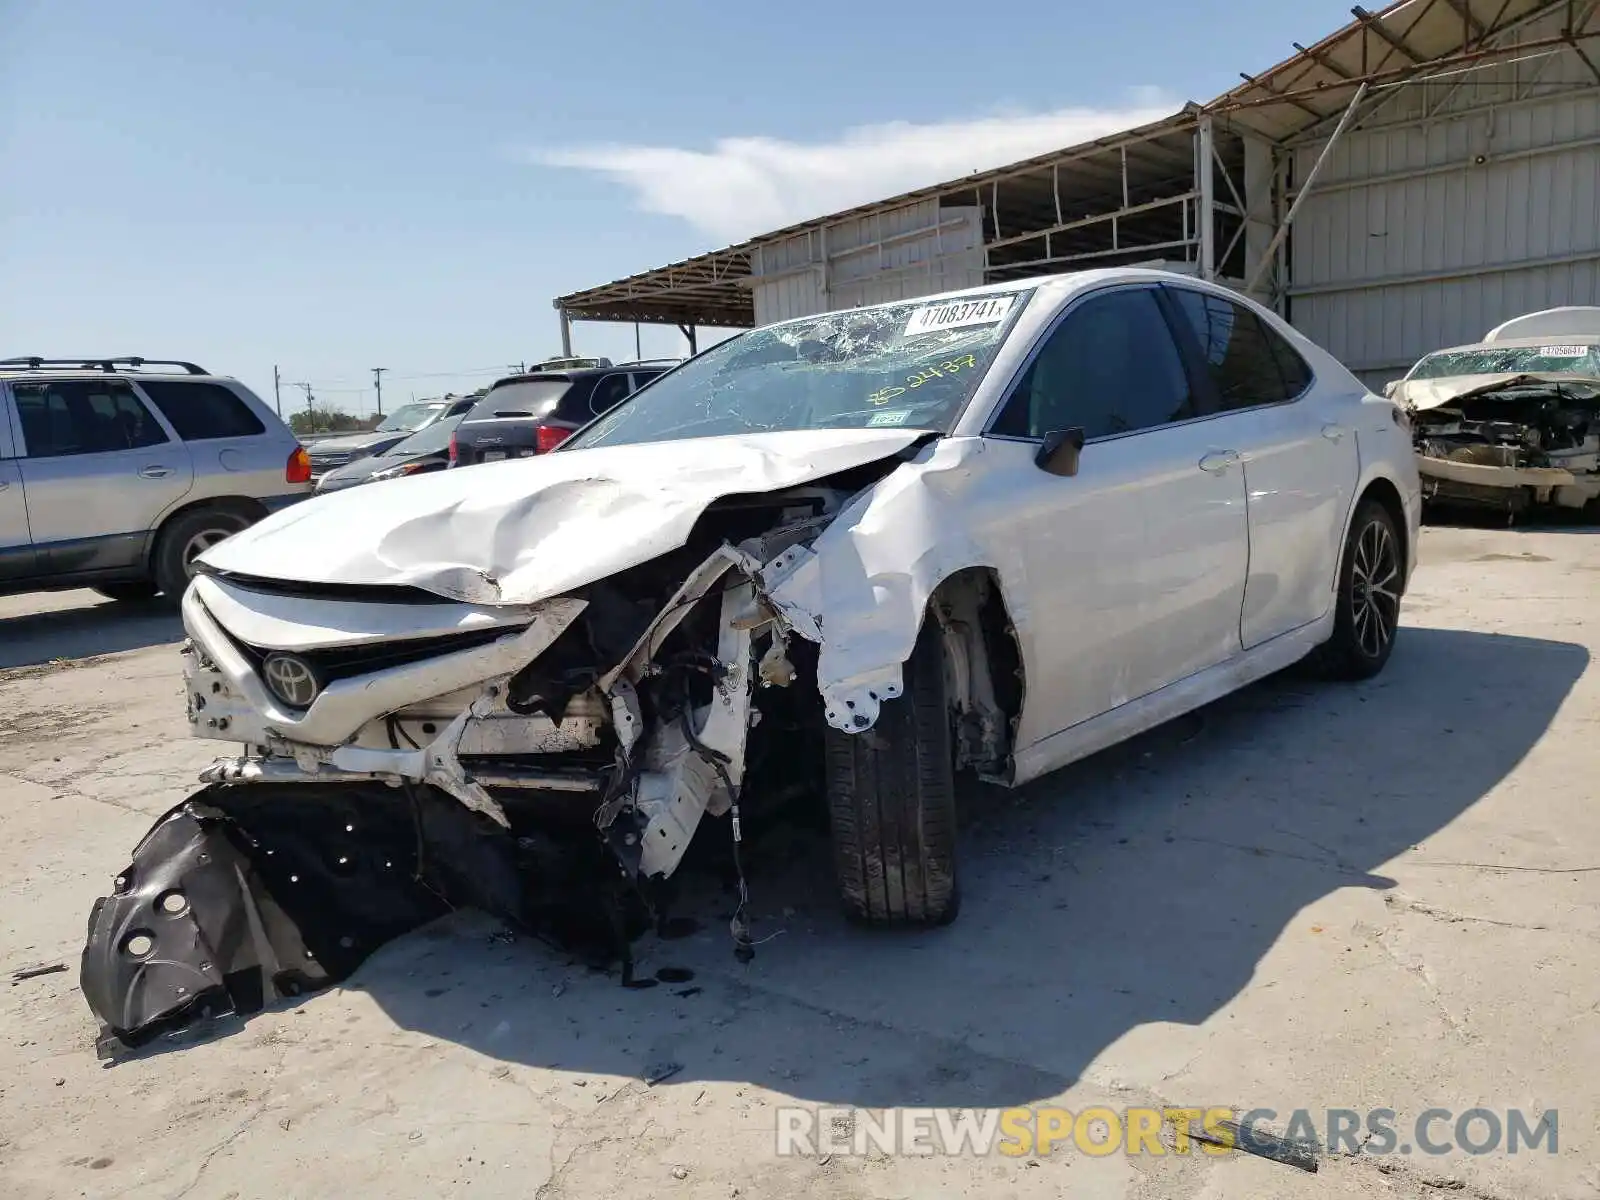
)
(1301, 465)
(1133, 567)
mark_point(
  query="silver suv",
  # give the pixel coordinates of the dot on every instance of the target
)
(117, 473)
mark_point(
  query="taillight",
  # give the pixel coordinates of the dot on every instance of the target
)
(547, 437)
(298, 469)
(455, 450)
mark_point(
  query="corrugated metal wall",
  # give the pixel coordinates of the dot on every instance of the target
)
(912, 251)
(1461, 207)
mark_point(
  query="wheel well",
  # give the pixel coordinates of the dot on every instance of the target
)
(244, 506)
(1383, 491)
(984, 680)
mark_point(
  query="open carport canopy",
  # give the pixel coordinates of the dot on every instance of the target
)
(1136, 196)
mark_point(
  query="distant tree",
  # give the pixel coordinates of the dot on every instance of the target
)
(323, 420)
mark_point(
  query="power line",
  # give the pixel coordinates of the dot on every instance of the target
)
(449, 374)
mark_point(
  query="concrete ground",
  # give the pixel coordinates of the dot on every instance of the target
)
(1307, 897)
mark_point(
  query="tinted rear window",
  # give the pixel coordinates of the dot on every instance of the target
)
(200, 411)
(527, 398)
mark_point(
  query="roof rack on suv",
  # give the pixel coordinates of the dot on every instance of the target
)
(569, 364)
(108, 365)
(650, 362)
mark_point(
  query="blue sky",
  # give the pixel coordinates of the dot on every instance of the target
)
(335, 186)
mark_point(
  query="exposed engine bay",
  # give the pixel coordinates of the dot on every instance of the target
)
(1507, 443)
(550, 762)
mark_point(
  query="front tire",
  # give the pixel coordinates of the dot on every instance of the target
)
(1367, 612)
(891, 802)
(184, 539)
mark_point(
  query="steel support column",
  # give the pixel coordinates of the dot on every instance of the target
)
(1305, 188)
(1205, 184)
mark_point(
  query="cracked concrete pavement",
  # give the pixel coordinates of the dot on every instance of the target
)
(1306, 897)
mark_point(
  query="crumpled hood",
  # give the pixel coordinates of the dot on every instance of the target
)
(523, 530)
(1424, 394)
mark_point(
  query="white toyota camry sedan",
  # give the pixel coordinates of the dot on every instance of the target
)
(857, 553)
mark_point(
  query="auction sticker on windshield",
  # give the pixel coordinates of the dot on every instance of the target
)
(893, 416)
(1563, 351)
(955, 314)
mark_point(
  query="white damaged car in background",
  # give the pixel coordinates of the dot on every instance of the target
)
(851, 556)
(1513, 422)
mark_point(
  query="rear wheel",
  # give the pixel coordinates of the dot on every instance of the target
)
(1367, 614)
(891, 802)
(134, 591)
(184, 540)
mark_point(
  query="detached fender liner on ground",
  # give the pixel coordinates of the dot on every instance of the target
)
(242, 896)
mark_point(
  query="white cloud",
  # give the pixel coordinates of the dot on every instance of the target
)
(747, 185)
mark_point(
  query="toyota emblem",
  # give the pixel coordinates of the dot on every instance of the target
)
(291, 679)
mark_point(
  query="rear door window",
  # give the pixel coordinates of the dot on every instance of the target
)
(609, 391)
(83, 416)
(1249, 364)
(200, 412)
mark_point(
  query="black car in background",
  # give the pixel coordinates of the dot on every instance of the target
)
(535, 412)
(330, 453)
(426, 450)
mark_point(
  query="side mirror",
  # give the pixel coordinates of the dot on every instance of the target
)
(1058, 453)
(1389, 388)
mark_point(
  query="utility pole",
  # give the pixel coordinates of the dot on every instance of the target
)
(377, 383)
(310, 411)
(277, 399)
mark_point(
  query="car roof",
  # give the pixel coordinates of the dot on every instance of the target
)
(95, 373)
(576, 374)
(1058, 282)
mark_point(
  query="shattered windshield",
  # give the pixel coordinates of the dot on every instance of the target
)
(1504, 360)
(914, 365)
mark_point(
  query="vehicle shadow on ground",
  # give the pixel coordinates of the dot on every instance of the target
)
(1544, 520)
(1143, 885)
(107, 628)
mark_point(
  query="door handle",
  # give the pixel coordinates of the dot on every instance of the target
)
(1219, 461)
(1334, 433)
(155, 472)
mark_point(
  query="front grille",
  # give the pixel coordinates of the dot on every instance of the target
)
(374, 593)
(343, 662)
(333, 458)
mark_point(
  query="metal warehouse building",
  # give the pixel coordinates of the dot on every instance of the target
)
(1408, 182)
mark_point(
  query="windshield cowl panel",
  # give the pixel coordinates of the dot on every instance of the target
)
(911, 365)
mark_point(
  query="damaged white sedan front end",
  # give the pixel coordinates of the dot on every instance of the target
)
(1508, 426)
(842, 558)
(434, 704)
